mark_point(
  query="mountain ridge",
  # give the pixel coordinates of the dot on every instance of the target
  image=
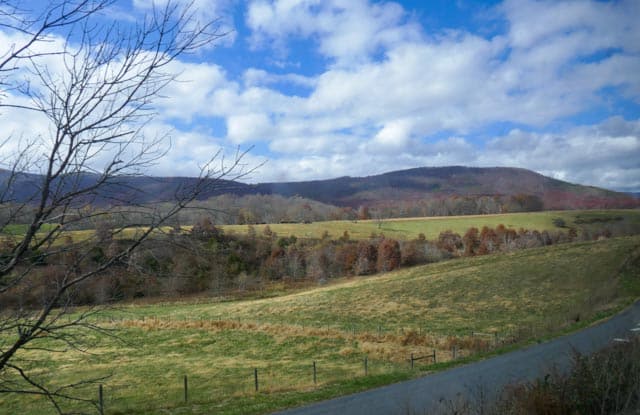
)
(346, 191)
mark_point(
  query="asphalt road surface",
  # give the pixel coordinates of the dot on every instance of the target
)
(477, 383)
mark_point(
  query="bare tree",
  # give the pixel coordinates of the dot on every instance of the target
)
(95, 84)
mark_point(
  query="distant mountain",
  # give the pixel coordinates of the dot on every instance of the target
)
(440, 182)
(404, 185)
(120, 190)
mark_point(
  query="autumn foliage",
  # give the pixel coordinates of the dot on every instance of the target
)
(388, 255)
(207, 260)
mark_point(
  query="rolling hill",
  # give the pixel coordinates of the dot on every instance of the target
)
(397, 186)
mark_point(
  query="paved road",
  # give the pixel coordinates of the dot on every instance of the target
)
(427, 394)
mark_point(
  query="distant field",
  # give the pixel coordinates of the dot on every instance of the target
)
(517, 296)
(410, 228)
(431, 227)
(17, 231)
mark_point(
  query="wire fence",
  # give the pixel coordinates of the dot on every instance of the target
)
(232, 383)
(235, 382)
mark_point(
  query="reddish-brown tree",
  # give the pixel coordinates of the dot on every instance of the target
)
(388, 255)
(471, 241)
(367, 258)
(449, 241)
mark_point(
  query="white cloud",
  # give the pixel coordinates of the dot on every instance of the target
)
(317, 145)
(248, 127)
(258, 77)
(603, 155)
(395, 135)
(348, 31)
(608, 24)
(193, 92)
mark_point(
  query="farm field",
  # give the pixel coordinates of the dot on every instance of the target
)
(505, 299)
(406, 228)
(410, 228)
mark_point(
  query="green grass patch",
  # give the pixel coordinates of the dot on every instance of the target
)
(20, 229)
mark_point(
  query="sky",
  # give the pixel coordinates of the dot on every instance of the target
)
(319, 89)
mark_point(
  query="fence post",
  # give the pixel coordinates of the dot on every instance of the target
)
(315, 378)
(495, 339)
(100, 400)
(434, 355)
(366, 365)
(255, 378)
(411, 361)
(186, 389)
(454, 351)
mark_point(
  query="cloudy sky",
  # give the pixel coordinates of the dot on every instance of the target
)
(327, 88)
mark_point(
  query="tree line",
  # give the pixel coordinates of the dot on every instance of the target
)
(231, 209)
(206, 260)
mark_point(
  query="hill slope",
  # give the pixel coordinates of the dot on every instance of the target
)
(404, 185)
(435, 182)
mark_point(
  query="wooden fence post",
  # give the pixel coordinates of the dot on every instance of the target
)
(100, 400)
(434, 355)
(186, 389)
(411, 361)
(366, 365)
(255, 378)
(315, 378)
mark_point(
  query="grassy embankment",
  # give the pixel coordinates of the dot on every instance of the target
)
(522, 296)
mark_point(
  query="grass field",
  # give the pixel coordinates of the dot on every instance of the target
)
(405, 229)
(521, 296)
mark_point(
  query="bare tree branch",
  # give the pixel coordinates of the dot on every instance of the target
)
(97, 101)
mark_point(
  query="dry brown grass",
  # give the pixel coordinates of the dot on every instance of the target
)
(392, 347)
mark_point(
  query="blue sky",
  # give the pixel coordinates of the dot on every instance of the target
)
(327, 88)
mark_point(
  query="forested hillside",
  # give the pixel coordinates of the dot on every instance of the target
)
(438, 191)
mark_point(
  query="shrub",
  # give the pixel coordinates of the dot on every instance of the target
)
(605, 382)
(449, 241)
(367, 258)
(388, 255)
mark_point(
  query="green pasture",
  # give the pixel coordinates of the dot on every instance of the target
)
(511, 297)
(402, 229)
(406, 229)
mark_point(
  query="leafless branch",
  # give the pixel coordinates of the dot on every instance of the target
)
(97, 101)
